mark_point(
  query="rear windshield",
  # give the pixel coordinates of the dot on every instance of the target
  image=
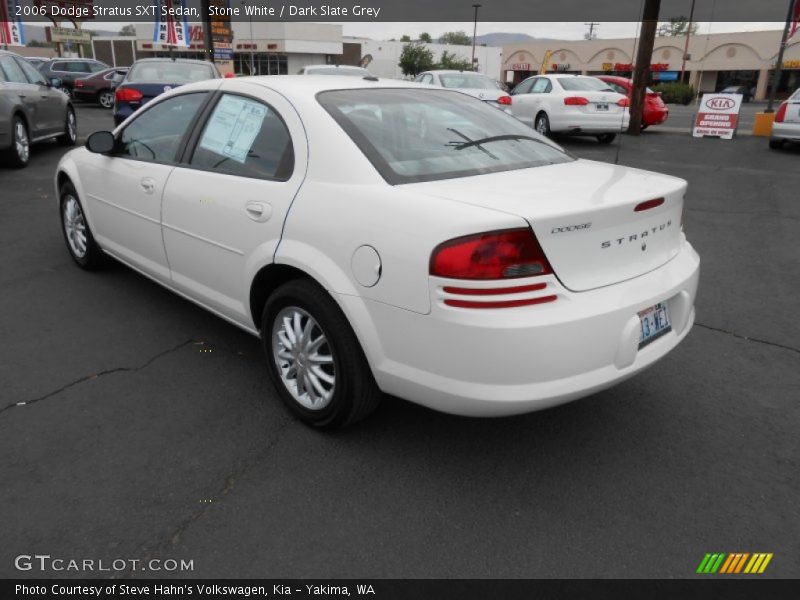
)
(467, 81)
(338, 71)
(584, 84)
(413, 135)
(169, 72)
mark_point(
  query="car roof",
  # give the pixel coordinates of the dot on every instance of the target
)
(456, 71)
(192, 61)
(299, 84)
(333, 67)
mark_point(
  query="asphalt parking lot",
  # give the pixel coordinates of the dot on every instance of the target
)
(135, 425)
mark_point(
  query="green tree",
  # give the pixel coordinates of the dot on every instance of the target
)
(415, 58)
(453, 62)
(425, 37)
(128, 30)
(457, 38)
(676, 27)
(405, 38)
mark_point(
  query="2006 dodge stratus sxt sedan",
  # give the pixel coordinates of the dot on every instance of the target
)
(384, 237)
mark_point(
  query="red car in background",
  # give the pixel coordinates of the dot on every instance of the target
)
(99, 87)
(655, 111)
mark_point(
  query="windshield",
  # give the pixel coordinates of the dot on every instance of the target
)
(169, 72)
(584, 84)
(352, 72)
(413, 135)
(467, 81)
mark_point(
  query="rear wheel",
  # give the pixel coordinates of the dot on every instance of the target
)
(80, 241)
(19, 153)
(70, 135)
(314, 358)
(106, 98)
(542, 124)
(776, 144)
(606, 138)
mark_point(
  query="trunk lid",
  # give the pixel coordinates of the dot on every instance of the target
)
(792, 111)
(583, 214)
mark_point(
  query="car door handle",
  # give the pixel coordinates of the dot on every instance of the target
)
(258, 211)
(148, 185)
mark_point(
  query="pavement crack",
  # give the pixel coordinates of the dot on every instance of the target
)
(71, 384)
(172, 538)
(748, 338)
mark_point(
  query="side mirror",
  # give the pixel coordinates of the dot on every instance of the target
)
(101, 142)
(55, 82)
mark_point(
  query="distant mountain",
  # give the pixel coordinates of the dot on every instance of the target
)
(501, 39)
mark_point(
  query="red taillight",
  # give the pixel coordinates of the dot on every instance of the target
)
(78, 83)
(623, 102)
(127, 95)
(501, 303)
(781, 114)
(504, 100)
(576, 101)
(648, 204)
(494, 255)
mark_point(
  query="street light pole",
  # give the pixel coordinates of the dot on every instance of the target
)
(474, 32)
(779, 65)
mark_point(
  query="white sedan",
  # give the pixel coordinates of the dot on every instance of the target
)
(382, 237)
(571, 104)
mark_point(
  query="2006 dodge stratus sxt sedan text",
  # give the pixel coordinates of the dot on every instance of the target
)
(389, 238)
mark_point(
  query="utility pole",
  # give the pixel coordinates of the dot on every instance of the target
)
(590, 36)
(688, 36)
(779, 65)
(474, 33)
(208, 41)
(641, 70)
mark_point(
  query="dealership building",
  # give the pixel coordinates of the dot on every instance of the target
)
(713, 62)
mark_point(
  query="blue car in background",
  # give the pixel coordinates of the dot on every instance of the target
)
(150, 77)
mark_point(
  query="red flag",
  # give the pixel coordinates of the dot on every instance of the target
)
(795, 19)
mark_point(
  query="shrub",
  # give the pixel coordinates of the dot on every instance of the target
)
(675, 92)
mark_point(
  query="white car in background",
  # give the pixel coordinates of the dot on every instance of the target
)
(342, 70)
(786, 127)
(388, 237)
(571, 104)
(474, 84)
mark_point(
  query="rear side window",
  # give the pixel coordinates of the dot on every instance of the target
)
(59, 66)
(525, 86)
(245, 137)
(12, 70)
(156, 134)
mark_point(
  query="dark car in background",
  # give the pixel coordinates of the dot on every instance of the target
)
(70, 69)
(31, 110)
(99, 87)
(655, 111)
(745, 91)
(150, 77)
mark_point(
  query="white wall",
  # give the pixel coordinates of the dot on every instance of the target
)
(386, 56)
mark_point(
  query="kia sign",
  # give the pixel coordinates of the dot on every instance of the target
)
(718, 116)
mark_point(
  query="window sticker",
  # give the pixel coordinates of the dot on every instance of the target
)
(233, 127)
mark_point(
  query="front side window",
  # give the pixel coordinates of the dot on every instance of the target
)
(247, 138)
(413, 135)
(542, 86)
(156, 134)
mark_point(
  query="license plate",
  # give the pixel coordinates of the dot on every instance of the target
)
(603, 107)
(654, 323)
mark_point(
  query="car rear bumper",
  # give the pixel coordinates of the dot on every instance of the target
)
(788, 132)
(84, 94)
(580, 123)
(496, 362)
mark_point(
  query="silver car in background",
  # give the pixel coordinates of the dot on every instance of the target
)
(345, 70)
(31, 110)
(475, 84)
(786, 127)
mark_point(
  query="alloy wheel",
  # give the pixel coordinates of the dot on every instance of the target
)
(21, 143)
(75, 226)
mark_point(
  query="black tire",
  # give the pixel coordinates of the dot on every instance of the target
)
(776, 144)
(18, 154)
(542, 124)
(106, 98)
(606, 138)
(644, 127)
(70, 136)
(93, 258)
(354, 393)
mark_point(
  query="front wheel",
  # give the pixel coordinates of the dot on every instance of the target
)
(70, 135)
(606, 138)
(314, 359)
(542, 124)
(20, 151)
(80, 241)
